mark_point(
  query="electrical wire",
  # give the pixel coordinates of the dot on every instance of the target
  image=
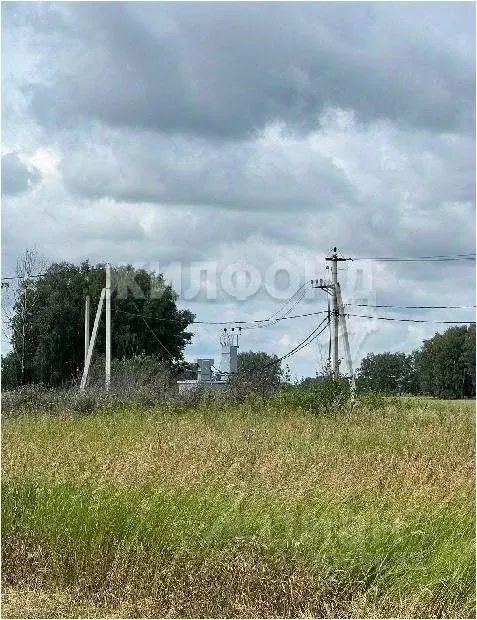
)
(268, 322)
(153, 333)
(412, 307)
(33, 275)
(298, 292)
(300, 289)
(282, 312)
(304, 343)
(307, 314)
(389, 318)
(286, 318)
(298, 316)
(435, 259)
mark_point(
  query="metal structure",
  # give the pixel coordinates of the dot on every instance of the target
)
(204, 373)
(228, 359)
(228, 365)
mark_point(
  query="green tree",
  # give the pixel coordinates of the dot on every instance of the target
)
(468, 360)
(11, 371)
(445, 363)
(257, 372)
(48, 320)
(389, 373)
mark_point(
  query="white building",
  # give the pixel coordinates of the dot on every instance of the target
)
(206, 376)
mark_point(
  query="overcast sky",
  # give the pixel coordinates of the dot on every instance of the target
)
(249, 136)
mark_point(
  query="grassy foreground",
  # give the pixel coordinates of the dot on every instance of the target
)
(225, 512)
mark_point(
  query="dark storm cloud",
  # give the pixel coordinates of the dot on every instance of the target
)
(378, 173)
(226, 70)
(255, 175)
(17, 177)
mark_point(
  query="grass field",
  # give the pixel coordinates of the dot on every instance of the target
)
(240, 511)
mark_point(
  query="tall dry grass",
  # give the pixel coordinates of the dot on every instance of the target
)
(233, 511)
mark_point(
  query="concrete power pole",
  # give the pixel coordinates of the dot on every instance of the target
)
(347, 349)
(108, 327)
(334, 258)
(333, 288)
(86, 327)
(23, 330)
(334, 276)
(92, 341)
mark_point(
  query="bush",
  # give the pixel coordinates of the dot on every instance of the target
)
(37, 399)
(372, 400)
(327, 395)
(257, 377)
(83, 403)
(28, 398)
(143, 380)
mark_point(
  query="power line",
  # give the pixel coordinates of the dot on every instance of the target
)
(308, 340)
(388, 318)
(154, 334)
(269, 322)
(435, 259)
(301, 345)
(281, 313)
(299, 295)
(304, 343)
(33, 275)
(307, 314)
(300, 290)
(412, 307)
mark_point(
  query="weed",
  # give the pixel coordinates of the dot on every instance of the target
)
(252, 510)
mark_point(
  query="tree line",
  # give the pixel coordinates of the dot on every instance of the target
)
(47, 336)
(444, 366)
(47, 322)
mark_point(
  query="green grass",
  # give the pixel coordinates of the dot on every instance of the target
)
(237, 512)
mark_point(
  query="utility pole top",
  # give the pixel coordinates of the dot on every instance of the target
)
(335, 257)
